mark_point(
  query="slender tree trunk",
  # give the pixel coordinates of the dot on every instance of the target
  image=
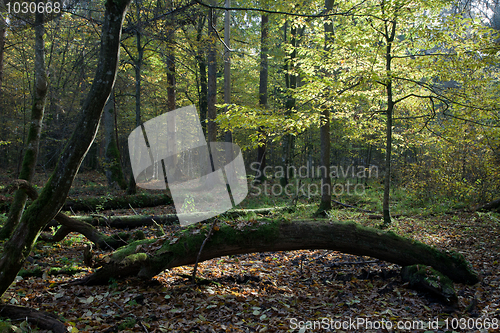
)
(228, 136)
(212, 76)
(326, 182)
(202, 67)
(54, 193)
(263, 94)
(390, 32)
(3, 132)
(113, 167)
(291, 84)
(132, 189)
(32, 144)
(171, 95)
(171, 84)
(3, 30)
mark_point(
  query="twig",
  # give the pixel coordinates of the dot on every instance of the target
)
(143, 326)
(201, 249)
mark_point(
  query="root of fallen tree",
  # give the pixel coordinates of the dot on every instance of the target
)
(147, 258)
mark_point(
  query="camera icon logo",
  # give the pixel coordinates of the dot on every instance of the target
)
(205, 180)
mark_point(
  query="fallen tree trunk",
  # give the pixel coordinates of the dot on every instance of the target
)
(69, 224)
(41, 319)
(93, 204)
(148, 258)
(493, 205)
(135, 221)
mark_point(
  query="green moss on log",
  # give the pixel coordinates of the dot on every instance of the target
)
(130, 249)
(134, 259)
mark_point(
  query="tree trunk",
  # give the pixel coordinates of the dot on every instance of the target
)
(132, 188)
(263, 83)
(148, 258)
(171, 84)
(291, 84)
(228, 136)
(212, 76)
(202, 67)
(390, 32)
(326, 182)
(94, 204)
(135, 221)
(33, 141)
(113, 167)
(3, 30)
(54, 193)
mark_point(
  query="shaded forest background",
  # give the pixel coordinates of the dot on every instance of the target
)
(445, 144)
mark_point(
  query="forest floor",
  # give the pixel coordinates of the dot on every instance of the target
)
(272, 292)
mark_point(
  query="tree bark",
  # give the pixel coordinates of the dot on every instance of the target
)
(228, 135)
(171, 83)
(148, 258)
(212, 76)
(132, 188)
(3, 31)
(113, 167)
(54, 193)
(94, 204)
(326, 182)
(290, 101)
(390, 33)
(33, 141)
(135, 221)
(263, 94)
(202, 67)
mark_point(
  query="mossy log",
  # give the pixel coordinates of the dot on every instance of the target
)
(135, 221)
(69, 224)
(147, 258)
(92, 204)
